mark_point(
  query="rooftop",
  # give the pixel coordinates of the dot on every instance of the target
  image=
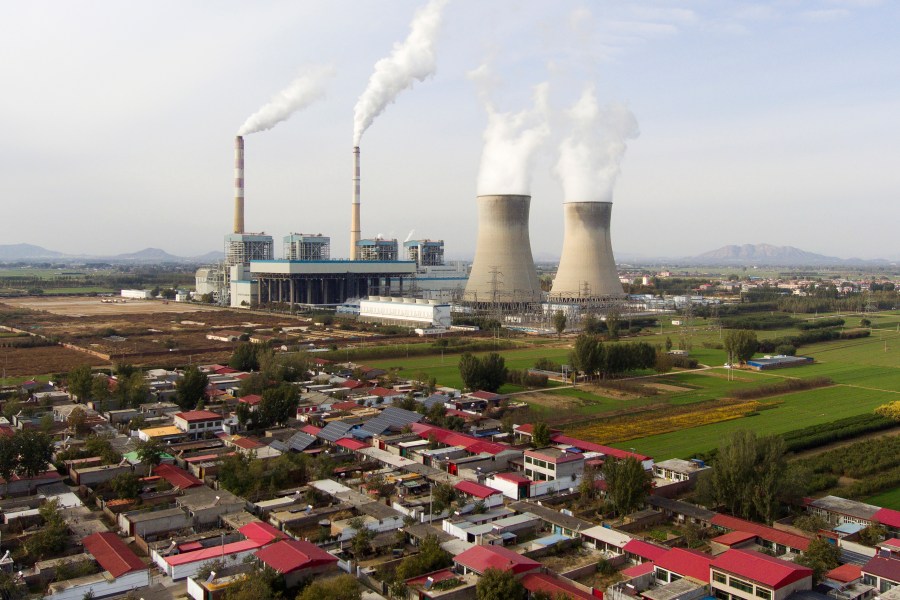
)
(759, 567)
(482, 558)
(198, 415)
(288, 556)
(112, 554)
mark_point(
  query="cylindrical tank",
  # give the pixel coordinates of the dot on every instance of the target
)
(238, 184)
(587, 268)
(503, 270)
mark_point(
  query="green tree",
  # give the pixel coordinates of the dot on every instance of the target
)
(442, 497)
(34, 450)
(261, 583)
(125, 485)
(100, 390)
(431, 557)
(245, 357)
(587, 354)
(150, 452)
(235, 475)
(810, 523)
(872, 534)
(540, 434)
(278, 405)
(51, 538)
(627, 484)
(191, 388)
(486, 373)
(96, 445)
(821, 556)
(740, 344)
(342, 587)
(559, 322)
(495, 584)
(361, 544)
(80, 380)
(77, 420)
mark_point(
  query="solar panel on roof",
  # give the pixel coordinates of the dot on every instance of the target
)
(391, 417)
(300, 441)
(335, 431)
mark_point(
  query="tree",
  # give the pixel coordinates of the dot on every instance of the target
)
(132, 389)
(740, 344)
(278, 405)
(495, 584)
(486, 373)
(442, 497)
(663, 362)
(627, 484)
(80, 380)
(261, 583)
(150, 452)
(51, 538)
(191, 388)
(245, 357)
(77, 420)
(613, 320)
(342, 587)
(587, 490)
(125, 485)
(872, 534)
(587, 353)
(559, 322)
(431, 557)
(100, 390)
(810, 523)
(361, 543)
(540, 434)
(821, 556)
(35, 450)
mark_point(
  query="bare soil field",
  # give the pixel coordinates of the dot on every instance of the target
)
(89, 306)
(27, 362)
(553, 400)
(666, 387)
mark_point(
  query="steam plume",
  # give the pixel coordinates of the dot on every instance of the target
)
(305, 90)
(411, 60)
(589, 157)
(510, 143)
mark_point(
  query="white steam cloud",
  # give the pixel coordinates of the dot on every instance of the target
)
(511, 141)
(589, 158)
(305, 90)
(411, 60)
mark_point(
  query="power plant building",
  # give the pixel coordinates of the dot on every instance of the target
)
(503, 271)
(425, 253)
(241, 248)
(587, 268)
(408, 312)
(303, 246)
(377, 249)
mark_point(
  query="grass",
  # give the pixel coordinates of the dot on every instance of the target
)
(888, 499)
(78, 290)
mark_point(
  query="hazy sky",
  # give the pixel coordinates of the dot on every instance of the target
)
(775, 122)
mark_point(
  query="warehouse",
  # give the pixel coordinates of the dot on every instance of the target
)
(410, 312)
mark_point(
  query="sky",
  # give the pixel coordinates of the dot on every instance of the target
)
(771, 122)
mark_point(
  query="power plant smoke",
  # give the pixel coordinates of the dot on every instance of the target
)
(589, 158)
(511, 141)
(412, 60)
(305, 90)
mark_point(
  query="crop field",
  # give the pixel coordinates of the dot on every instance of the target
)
(88, 306)
(27, 362)
(889, 499)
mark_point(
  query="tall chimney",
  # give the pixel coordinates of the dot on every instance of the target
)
(239, 184)
(354, 208)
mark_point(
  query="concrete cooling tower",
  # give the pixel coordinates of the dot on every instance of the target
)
(503, 270)
(587, 269)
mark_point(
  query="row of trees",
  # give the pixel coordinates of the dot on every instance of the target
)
(486, 372)
(131, 388)
(591, 356)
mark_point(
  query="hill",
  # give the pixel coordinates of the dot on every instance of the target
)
(767, 254)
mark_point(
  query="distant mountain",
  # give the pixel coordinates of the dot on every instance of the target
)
(30, 252)
(10, 252)
(767, 254)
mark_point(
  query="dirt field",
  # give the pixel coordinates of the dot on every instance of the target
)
(87, 306)
(27, 362)
(553, 401)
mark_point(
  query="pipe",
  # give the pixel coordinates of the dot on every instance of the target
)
(354, 207)
(239, 184)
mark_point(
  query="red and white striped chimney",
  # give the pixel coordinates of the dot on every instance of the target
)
(239, 184)
(354, 207)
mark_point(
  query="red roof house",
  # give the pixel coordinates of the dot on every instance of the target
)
(476, 490)
(176, 476)
(112, 553)
(251, 399)
(769, 534)
(553, 587)
(686, 563)
(845, 573)
(644, 550)
(759, 569)
(297, 560)
(479, 559)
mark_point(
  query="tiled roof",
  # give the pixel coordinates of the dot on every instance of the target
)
(769, 571)
(351, 444)
(886, 568)
(889, 517)
(453, 438)
(769, 534)
(291, 555)
(555, 588)
(198, 415)
(482, 558)
(592, 447)
(112, 554)
(845, 573)
(176, 476)
(261, 532)
(476, 489)
(687, 563)
(644, 550)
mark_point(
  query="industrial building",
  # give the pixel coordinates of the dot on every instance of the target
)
(303, 246)
(425, 253)
(503, 271)
(378, 249)
(408, 312)
(587, 269)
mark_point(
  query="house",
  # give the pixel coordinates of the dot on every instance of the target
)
(176, 476)
(676, 469)
(122, 571)
(197, 423)
(679, 563)
(882, 572)
(479, 559)
(770, 538)
(479, 493)
(749, 575)
(297, 560)
(837, 511)
(553, 464)
(553, 587)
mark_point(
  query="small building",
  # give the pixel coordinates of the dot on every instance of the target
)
(778, 362)
(297, 560)
(553, 464)
(479, 559)
(480, 493)
(197, 423)
(122, 571)
(136, 294)
(676, 469)
(408, 312)
(882, 573)
(166, 434)
(749, 575)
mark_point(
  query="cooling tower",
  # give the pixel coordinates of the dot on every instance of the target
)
(238, 184)
(354, 207)
(503, 270)
(587, 268)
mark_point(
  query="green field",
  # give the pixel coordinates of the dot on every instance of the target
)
(79, 290)
(889, 499)
(795, 411)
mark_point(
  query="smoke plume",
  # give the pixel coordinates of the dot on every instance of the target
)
(511, 141)
(589, 157)
(411, 60)
(305, 90)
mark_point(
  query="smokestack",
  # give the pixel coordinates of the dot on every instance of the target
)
(587, 268)
(354, 207)
(239, 184)
(503, 270)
